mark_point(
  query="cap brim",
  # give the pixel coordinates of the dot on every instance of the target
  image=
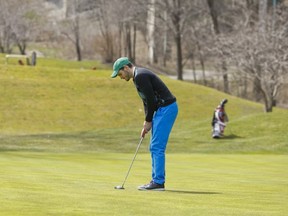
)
(114, 74)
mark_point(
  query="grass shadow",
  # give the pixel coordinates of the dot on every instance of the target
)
(231, 136)
(192, 192)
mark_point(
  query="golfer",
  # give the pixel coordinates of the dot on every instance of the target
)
(160, 113)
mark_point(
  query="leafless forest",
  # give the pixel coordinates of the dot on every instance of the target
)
(237, 46)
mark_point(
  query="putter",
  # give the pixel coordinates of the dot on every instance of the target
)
(122, 186)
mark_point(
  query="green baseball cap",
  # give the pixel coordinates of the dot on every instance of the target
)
(119, 63)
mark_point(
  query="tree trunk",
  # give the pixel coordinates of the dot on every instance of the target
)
(225, 76)
(201, 59)
(22, 48)
(1, 48)
(193, 68)
(257, 89)
(128, 40)
(268, 101)
(134, 42)
(120, 33)
(150, 30)
(78, 50)
(77, 39)
(176, 22)
(202, 62)
(179, 57)
(214, 15)
(245, 81)
(165, 40)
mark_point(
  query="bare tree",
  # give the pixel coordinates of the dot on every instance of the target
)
(216, 7)
(179, 13)
(18, 22)
(106, 42)
(197, 42)
(70, 26)
(133, 14)
(175, 9)
(118, 27)
(30, 16)
(262, 58)
(5, 28)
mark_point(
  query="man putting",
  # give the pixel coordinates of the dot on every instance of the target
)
(160, 114)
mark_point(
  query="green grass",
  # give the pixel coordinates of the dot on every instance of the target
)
(68, 134)
(82, 184)
(85, 109)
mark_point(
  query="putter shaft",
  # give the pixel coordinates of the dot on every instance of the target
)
(132, 161)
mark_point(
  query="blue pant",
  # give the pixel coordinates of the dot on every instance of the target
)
(162, 124)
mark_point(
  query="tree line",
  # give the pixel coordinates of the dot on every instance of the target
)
(244, 41)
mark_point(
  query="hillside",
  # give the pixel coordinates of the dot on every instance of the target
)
(67, 106)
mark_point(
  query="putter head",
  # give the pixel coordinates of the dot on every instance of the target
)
(119, 187)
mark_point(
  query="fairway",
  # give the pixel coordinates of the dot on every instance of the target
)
(34, 183)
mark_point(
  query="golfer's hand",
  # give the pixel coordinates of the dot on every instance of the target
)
(143, 132)
(146, 128)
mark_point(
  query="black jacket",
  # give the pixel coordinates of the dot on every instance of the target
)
(153, 92)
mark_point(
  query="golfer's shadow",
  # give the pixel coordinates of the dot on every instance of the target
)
(192, 192)
(230, 136)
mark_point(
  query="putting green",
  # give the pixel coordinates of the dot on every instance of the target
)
(35, 183)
